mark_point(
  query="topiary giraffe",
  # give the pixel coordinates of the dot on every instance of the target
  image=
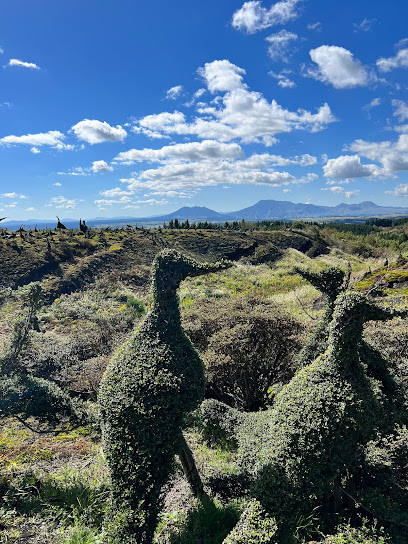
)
(319, 424)
(152, 382)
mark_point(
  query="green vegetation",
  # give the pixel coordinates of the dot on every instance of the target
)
(289, 447)
(151, 384)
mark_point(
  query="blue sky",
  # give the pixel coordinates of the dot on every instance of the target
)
(138, 108)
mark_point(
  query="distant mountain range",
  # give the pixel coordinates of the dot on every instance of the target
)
(264, 209)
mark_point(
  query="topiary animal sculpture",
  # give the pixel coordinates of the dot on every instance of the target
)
(319, 424)
(152, 382)
(330, 282)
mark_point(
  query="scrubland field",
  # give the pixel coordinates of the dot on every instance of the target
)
(85, 295)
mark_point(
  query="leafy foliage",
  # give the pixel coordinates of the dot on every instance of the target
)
(248, 344)
(330, 283)
(153, 381)
(25, 396)
(320, 421)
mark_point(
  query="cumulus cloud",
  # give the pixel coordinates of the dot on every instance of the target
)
(222, 75)
(99, 167)
(400, 60)
(338, 67)
(283, 80)
(174, 92)
(349, 166)
(53, 138)
(22, 64)
(63, 203)
(400, 190)
(57, 184)
(116, 192)
(238, 114)
(179, 175)
(279, 44)
(35, 150)
(392, 156)
(253, 17)
(30, 209)
(97, 132)
(192, 151)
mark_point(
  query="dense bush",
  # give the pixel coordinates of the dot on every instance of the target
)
(247, 343)
(254, 527)
(150, 385)
(23, 395)
(320, 422)
(219, 423)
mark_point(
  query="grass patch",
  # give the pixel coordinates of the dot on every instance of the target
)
(208, 523)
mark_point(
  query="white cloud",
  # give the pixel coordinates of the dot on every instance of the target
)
(63, 203)
(392, 156)
(400, 60)
(222, 75)
(99, 167)
(239, 114)
(12, 205)
(12, 195)
(77, 171)
(177, 175)
(338, 67)
(53, 138)
(35, 150)
(400, 109)
(341, 191)
(265, 160)
(57, 184)
(22, 64)
(253, 17)
(287, 190)
(315, 26)
(402, 43)
(375, 102)
(1, 50)
(400, 190)
(365, 25)
(192, 151)
(279, 44)
(349, 166)
(96, 132)
(283, 80)
(30, 209)
(174, 92)
(116, 192)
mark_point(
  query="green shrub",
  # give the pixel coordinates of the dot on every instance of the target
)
(362, 535)
(330, 283)
(247, 343)
(319, 424)
(151, 384)
(254, 527)
(219, 423)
